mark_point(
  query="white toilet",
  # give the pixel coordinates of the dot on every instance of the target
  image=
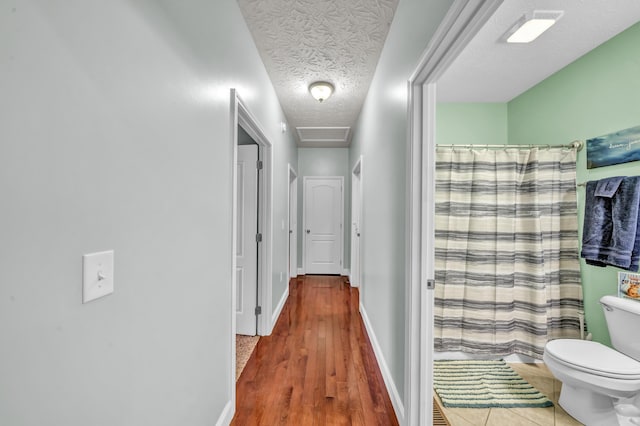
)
(600, 385)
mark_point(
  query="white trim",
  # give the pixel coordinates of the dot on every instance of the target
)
(357, 171)
(240, 115)
(346, 273)
(265, 225)
(304, 216)
(278, 310)
(459, 26)
(392, 390)
(301, 270)
(231, 405)
(227, 414)
(293, 181)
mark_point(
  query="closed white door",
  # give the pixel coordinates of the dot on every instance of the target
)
(323, 213)
(246, 244)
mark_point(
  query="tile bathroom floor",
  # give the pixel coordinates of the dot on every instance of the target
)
(540, 377)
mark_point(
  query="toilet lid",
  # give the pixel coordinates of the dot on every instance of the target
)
(594, 357)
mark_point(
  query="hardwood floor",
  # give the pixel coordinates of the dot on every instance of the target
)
(317, 367)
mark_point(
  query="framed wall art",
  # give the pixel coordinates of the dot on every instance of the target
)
(615, 148)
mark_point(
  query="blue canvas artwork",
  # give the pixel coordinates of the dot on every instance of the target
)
(614, 148)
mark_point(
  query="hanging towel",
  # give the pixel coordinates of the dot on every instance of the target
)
(611, 235)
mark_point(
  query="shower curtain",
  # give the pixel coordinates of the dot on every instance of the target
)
(507, 268)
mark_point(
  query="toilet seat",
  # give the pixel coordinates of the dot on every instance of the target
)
(593, 358)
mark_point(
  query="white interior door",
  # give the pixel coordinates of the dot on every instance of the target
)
(246, 244)
(293, 225)
(356, 201)
(323, 214)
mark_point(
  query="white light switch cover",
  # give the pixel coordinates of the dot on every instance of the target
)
(97, 275)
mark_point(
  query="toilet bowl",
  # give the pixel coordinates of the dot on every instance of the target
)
(601, 385)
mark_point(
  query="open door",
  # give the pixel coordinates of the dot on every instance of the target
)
(246, 241)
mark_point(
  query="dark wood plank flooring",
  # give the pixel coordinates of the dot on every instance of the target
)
(317, 367)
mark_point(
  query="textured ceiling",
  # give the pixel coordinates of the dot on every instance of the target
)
(489, 70)
(302, 41)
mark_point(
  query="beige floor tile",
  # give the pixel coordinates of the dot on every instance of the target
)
(540, 416)
(474, 416)
(507, 417)
(456, 420)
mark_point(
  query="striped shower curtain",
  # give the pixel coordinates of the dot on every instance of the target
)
(507, 268)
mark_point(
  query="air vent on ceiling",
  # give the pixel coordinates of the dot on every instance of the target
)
(323, 136)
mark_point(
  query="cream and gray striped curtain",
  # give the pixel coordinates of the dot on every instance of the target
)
(507, 268)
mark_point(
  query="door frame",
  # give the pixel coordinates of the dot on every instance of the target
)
(304, 219)
(461, 23)
(293, 230)
(356, 175)
(240, 115)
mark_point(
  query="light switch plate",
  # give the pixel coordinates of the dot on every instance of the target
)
(97, 275)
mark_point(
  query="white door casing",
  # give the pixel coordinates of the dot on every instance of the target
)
(323, 224)
(356, 224)
(293, 223)
(240, 115)
(459, 26)
(246, 243)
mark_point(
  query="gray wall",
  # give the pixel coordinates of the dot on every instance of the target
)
(325, 162)
(381, 137)
(115, 134)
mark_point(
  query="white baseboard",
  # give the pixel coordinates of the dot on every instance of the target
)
(227, 415)
(398, 406)
(345, 272)
(278, 309)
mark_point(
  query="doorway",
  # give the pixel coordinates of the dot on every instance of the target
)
(241, 120)
(323, 216)
(462, 22)
(293, 222)
(356, 225)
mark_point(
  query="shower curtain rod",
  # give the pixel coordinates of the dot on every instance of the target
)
(577, 145)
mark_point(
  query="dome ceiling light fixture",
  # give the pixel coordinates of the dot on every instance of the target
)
(321, 90)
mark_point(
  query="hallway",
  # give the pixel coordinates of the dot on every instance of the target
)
(318, 367)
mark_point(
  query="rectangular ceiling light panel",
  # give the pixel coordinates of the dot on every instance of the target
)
(530, 27)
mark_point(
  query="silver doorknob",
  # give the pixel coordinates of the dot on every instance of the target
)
(291, 231)
(308, 231)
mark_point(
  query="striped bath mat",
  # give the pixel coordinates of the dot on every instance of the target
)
(484, 384)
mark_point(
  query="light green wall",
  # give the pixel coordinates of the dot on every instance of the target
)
(325, 162)
(471, 123)
(597, 94)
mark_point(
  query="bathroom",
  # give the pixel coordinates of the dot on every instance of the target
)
(593, 96)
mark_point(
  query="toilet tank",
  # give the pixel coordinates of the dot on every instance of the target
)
(623, 321)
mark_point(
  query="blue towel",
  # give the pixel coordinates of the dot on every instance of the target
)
(611, 235)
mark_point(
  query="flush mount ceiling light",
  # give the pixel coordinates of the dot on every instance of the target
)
(321, 90)
(530, 26)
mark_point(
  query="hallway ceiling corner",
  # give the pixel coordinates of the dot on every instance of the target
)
(303, 41)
